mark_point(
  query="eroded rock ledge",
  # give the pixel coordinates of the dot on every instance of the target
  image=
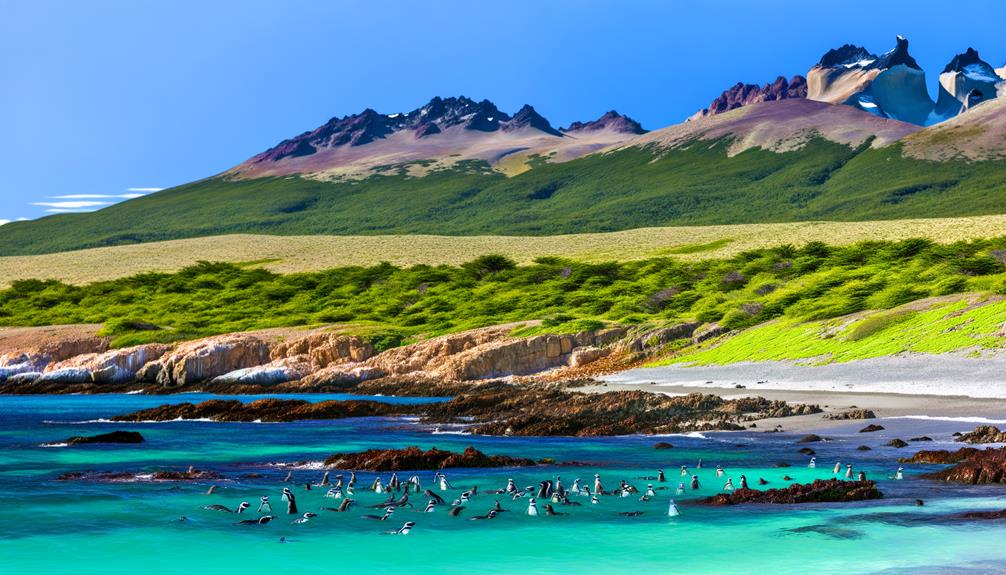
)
(415, 459)
(973, 466)
(820, 491)
(511, 410)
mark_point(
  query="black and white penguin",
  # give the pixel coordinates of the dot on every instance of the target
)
(334, 493)
(532, 507)
(490, 515)
(695, 482)
(672, 509)
(660, 476)
(264, 504)
(729, 485)
(217, 507)
(403, 530)
(387, 514)
(260, 521)
(291, 501)
(305, 518)
(431, 506)
(744, 482)
(324, 481)
(430, 494)
(550, 511)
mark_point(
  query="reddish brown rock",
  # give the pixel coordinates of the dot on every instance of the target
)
(940, 456)
(414, 458)
(321, 350)
(986, 466)
(268, 410)
(741, 94)
(820, 491)
(983, 434)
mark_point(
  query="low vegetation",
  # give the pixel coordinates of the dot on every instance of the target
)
(800, 290)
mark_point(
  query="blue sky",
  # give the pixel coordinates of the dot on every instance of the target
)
(111, 98)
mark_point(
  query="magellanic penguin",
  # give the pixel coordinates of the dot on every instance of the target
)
(260, 521)
(719, 471)
(324, 481)
(672, 509)
(532, 507)
(729, 486)
(649, 490)
(490, 515)
(813, 463)
(848, 470)
(660, 476)
(217, 507)
(684, 471)
(429, 493)
(403, 530)
(291, 501)
(576, 486)
(444, 484)
(334, 493)
(899, 474)
(598, 488)
(264, 504)
(387, 514)
(344, 506)
(695, 482)
(305, 518)
(431, 506)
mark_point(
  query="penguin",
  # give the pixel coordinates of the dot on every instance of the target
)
(307, 487)
(430, 494)
(334, 493)
(644, 498)
(444, 484)
(559, 489)
(264, 504)
(576, 486)
(532, 507)
(216, 507)
(681, 489)
(813, 463)
(291, 501)
(729, 486)
(431, 506)
(498, 508)
(838, 467)
(403, 530)
(510, 487)
(344, 506)
(260, 521)
(455, 511)
(660, 476)
(598, 488)
(545, 489)
(550, 511)
(324, 481)
(377, 486)
(695, 482)
(848, 470)
(744, 482)
(211, 490)
(305, 518)
(719, 471)
(490, 515)
(862, 476)
(684, 471)
(649, 490)
(352, 478)
(338, 481)
(672, 509)
(289, 477)
(387, 513)
(394, 483)
(593, 500)
(899, 474)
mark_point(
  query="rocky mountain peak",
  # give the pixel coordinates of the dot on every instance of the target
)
(961, 61)
(847, 56)
(610, 120)
(527, 116)
(741, 94)
(897, 56)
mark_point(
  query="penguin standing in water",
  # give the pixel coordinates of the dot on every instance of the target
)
(593, 500)
(848, 471)
(838, 467)
(672, 509)
(291, 501)
(729, 486)
(532, 507)
(649, 490)
(305, 518)
(344, 506)
(444, 484)
(660, 476)
(695, 482)
(719, 471)
(545, 489)
(576, 486)
(431, 506)
(899, 474)
(862, 476)
(684, 471)
(559, 489)
(598, 488)
(429, 493)
(813, 463)
(264, 505)
(681, 488)
(744, 482)
(403, 530)
(377, 486)
(217, 507)
(387, 514)
(394, 483)
(511, 488)
(334, 493)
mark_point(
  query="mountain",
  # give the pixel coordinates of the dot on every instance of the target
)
(440, 134)
(891, 85)
(965, 82)
(741, 94)
(979, 135)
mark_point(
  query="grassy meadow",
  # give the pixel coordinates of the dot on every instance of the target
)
(785, 284)
(292, 254)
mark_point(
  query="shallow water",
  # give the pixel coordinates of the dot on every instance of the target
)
(86, 527)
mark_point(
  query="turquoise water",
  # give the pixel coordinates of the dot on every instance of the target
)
(50, 526)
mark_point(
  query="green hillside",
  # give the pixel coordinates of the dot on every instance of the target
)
(695, 185)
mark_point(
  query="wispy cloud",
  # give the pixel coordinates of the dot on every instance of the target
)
(2, 222)
(74, 205)
(98, 196)
(145, 190)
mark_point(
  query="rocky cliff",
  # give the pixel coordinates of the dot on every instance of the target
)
(741, 94)
(965, 82)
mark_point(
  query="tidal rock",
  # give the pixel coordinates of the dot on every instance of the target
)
(897, 443)
(864, 448)
(414, 458)
(266, 410)
(940, 456)
(662, 445)
(111, 437)
(820, 491)
(872, 428)
(812, 438)
(983, 434)
(921, 438)
(986, 466)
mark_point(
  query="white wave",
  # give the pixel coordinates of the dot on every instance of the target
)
(458, 432)
(135, 392)
(55, 445)
(948, 418)
(691, 434)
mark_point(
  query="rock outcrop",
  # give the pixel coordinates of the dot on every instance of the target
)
(891, 85)
(111, 437)
(191, 474)
(986, 466)
(113, 366)
(983, 434)
(611, 120)
(415, 459)
(820, 491)
(851, 414)
(32, 350)
(204, 359)
(266, 410)
(966, 82)
(940, 456)
(741, 94)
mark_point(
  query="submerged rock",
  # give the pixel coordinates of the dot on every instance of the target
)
(191, 474)
(414, 458)
(111, 437)
(820, 491)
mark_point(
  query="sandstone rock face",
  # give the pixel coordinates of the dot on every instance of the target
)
(114, 366)
(708, 331)
(325, 349)
(820, 491)
(986, 466)
(207, 358)
(658, 337)
(27, 350)
(851, 414)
